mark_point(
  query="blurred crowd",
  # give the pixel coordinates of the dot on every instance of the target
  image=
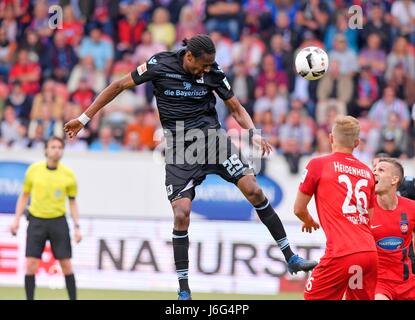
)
(48, 76)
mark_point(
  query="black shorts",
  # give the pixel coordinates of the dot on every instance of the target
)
(55, 230)
(220, 156)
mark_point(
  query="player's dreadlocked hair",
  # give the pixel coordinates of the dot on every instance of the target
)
(199, 45)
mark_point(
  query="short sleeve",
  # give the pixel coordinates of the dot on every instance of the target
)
(372, 195)
(72, 189)
(146, 71)
(222, 86)
(28, 180)
(310, 178)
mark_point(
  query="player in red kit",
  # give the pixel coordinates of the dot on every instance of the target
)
(392, 224)
(344, 191)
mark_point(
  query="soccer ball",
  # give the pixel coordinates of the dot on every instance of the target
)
(311, 63)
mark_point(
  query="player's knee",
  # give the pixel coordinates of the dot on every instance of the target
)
(181, 213)
(31, 266)
(254, 194)
(66, 266)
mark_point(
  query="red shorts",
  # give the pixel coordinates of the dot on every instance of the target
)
(402, 290)
(354, 274)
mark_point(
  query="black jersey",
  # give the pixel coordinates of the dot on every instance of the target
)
(180, 96)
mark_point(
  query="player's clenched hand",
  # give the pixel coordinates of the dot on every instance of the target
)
(14, 227)
(262, 143)
(77, 235)
(73, 127)
(309, 225)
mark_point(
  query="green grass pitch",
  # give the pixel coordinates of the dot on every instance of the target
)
(17, 293)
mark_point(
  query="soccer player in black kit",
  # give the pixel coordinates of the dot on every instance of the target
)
(184, 82)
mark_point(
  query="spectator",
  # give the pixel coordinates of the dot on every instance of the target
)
(282, 28)
(269, 128)
(393, 129)
(7, 49)
(389, 103)
(346, 58)
(47, 99)
(403, 85)
(139, 134)
(71, 27)
(390, 148)
(362, 152)
(313, 15)
(162, 30)
(243, 86)
(334, 89)
(400, 54)
(62, 58)
(28, 73)
(249, 49)
(105, 142)
(37, 141)
(377, 24)
(374, 55)
(367, 92)
(86, 70)
(130, 29)
(9, 127)
(189, 24)
(10, 24)
(147, 48)
(403, 18)
(22, 141)
(40, 21)
(295, 140)
(341, 27)
(101, 50)
(83, 95)
(275, 100)
(224, 46)
(283, 57)
(38, 51)
(269, 73)
(224, 16)
(51, 126)
(20, 101)
(142, 6)
(123, 66)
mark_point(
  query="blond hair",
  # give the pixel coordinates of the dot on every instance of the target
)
(345, 131)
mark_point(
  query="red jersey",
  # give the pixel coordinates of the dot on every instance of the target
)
(392, 230)
(344, 190)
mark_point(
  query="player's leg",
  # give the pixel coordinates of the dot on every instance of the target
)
(254, 194)
(363, 274)
(328, 281)
(235, 169)
(384, 290)
(35, 243)
(181, 210)
(60, 241)
(67, 271)
(32, 264)
(266, 213)
(180, 183)
(380, 296)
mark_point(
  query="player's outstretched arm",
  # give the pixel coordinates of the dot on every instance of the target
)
(244, 120)
(107, 95)
(301, 211)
